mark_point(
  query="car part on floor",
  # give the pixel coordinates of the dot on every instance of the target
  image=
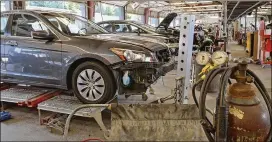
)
(5, 116)
(239, 108)
(56, 124)
(176, 93)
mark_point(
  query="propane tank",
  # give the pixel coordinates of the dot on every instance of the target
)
(248, 118)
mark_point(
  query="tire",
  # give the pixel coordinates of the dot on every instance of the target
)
(92, 83)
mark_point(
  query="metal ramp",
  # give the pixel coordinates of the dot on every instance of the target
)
(66, 104)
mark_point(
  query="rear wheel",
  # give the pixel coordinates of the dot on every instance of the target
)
(92, 83)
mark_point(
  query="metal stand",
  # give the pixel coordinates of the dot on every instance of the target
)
(185, 54)
(66, 104)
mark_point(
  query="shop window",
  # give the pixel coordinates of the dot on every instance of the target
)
(153, 21)
(104, 12)
(64, 6)
(4, 21)
(135, 17)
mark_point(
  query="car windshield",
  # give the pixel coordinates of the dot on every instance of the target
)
(74, 25)
(148, 27)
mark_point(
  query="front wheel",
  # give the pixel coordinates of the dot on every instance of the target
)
(93, 83)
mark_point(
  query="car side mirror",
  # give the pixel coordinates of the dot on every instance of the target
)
(45, 35)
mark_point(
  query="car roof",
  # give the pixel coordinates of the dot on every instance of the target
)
(109, 21)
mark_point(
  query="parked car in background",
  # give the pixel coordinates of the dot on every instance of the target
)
(66, 51)
(163, 32)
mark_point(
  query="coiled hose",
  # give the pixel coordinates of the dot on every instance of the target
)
(221, 132)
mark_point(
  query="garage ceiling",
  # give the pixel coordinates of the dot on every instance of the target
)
(236, 9)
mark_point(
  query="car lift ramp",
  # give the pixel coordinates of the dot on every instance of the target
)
(25, 95)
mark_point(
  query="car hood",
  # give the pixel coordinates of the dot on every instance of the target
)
(167, 20)
(148, 43)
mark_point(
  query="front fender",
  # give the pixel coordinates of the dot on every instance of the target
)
(69, 60)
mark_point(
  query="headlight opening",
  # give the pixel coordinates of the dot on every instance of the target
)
(134, 56)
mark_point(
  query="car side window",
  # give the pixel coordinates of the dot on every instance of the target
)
(4, 21)
(121, 28)
(134, 29)
(107, 26)
(24, 24)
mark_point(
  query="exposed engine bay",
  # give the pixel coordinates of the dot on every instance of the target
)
(134, 78)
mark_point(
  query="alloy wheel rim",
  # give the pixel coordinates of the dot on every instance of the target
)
(90, 84)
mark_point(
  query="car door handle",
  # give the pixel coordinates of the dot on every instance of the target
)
(12, 43)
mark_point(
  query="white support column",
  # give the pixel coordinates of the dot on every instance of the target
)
(185, 52)
(225, 10)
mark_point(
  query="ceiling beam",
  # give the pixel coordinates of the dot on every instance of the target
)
(233, 10)
(249, 9)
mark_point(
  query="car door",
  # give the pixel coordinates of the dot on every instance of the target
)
(4, 23)
(32, 61)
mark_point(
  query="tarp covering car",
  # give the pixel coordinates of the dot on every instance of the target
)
(156, 122)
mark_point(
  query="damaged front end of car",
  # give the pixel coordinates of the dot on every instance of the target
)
(140, 70)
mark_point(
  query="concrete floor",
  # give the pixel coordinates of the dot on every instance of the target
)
(25, 124)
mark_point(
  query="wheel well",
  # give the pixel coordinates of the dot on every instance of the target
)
(76, 64)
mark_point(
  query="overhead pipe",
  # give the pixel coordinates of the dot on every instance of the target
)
(233, 9)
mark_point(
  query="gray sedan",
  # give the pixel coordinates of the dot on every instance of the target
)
(66, 51)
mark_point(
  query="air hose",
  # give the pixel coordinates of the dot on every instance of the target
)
(219, 131)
